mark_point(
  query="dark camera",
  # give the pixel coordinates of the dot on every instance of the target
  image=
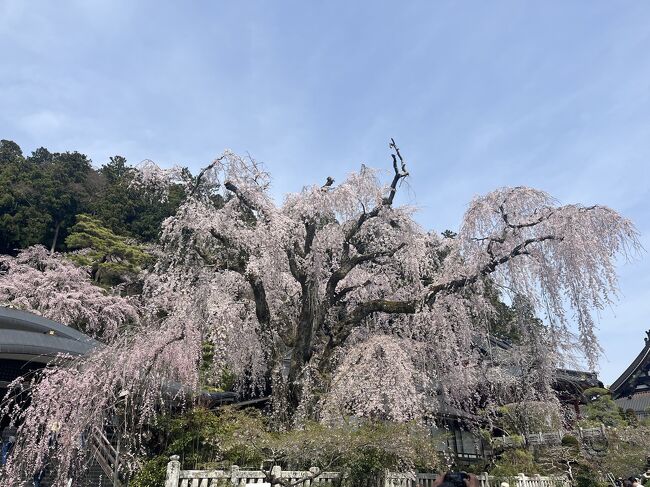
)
(457, 479)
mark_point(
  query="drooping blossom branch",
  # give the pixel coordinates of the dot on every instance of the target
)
(124, 385)
(338, 292)
(52, 286)
(334, 258)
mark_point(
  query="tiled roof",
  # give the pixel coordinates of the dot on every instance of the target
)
(638, 402)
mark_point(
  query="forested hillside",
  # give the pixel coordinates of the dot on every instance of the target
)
(44, 193)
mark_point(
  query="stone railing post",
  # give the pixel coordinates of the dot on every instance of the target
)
(173, 471)
(521, 480)
(234, 475)
(387, 481)
(276, 473)
(484, 479)
(313, 473)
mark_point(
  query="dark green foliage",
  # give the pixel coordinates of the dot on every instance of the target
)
(42, 194)
(601, 409)
(65, 184)
(594, 393)
(631, 417)
(509, 320)
(22, 219)
(111, 258)
(587, 478)
(152, 473)
(205, 439)
(225, 381)
(513, 462)
(131, 210)
(571, 441)
(528, 417)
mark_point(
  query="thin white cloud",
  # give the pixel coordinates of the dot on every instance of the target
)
(42, 124)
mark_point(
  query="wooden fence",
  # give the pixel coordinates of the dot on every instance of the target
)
(176, 477)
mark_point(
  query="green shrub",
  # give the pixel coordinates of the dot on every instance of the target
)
(152, 473)
(513, 462)
(361, 449)
(601, 409)
(586, 477)
(570, 440)
(529, 417)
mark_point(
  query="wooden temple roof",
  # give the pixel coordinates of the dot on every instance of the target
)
(635, 381)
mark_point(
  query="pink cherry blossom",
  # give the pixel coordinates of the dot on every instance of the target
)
(339, 303)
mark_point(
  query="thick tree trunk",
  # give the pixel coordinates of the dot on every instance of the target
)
(309, 323)
(56, 237)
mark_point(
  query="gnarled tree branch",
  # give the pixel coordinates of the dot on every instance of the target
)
(400, 173)
(457, 284)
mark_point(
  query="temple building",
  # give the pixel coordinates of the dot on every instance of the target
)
(29, 342)
(631, 390)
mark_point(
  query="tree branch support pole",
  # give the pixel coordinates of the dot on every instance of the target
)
(116, 467)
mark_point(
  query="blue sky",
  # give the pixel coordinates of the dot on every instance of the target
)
(478, 95)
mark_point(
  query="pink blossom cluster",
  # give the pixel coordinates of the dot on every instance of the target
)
(338, 302)
(54, 287)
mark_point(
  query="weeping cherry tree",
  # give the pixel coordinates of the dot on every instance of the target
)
(336, 302)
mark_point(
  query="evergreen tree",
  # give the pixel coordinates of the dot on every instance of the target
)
(42, 194)
(66, 188)
(22, 219)
(112, 258)
(132, 210)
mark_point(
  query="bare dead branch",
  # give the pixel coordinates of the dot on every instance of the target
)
(399, 174)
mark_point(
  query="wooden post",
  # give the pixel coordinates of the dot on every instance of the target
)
(173, 471)
(116, 467)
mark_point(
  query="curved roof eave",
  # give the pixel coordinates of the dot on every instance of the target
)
(23, 342)
(16, 319)
(638, 361)
(39, 339)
